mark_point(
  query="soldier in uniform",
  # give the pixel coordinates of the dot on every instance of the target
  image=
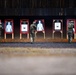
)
(70, 32)
(0, 29)
(32, 31)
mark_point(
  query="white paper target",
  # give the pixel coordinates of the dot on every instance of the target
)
(58, 26)
(40, 26)
(8, 27)
(24, 27)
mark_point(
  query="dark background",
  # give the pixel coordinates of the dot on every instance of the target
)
(38, 9)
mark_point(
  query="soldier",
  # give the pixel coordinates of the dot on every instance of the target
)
(0, 29)
(32, 31)
(70, 32)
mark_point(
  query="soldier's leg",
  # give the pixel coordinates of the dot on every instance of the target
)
(31, 38)
(71, 37)
(68, 38)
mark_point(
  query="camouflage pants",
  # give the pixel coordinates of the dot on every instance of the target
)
(32, 37)
(70, 37)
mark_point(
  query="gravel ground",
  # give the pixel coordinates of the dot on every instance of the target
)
(37, 59)
(40, 44)
(36, 48)
(27, 51)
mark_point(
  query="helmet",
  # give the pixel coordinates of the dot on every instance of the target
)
(34, 22)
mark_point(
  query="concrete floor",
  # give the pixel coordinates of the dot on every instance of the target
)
(38, 65)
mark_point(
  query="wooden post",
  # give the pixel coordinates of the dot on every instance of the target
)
(61, 34)
(53, 34)
(5, 36)
(44, 34)
(12, 35)
(20, 36)
(28, 36)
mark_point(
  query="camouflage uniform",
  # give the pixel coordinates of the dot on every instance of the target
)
(70, 32)
(32, 32)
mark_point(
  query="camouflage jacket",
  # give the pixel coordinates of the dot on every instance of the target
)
(32, 28)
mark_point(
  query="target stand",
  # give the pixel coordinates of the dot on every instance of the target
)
(8, 28)
(57, 27)
(40, 27)
(24, 27)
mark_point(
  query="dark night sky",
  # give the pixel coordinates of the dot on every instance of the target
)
(37, 3)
